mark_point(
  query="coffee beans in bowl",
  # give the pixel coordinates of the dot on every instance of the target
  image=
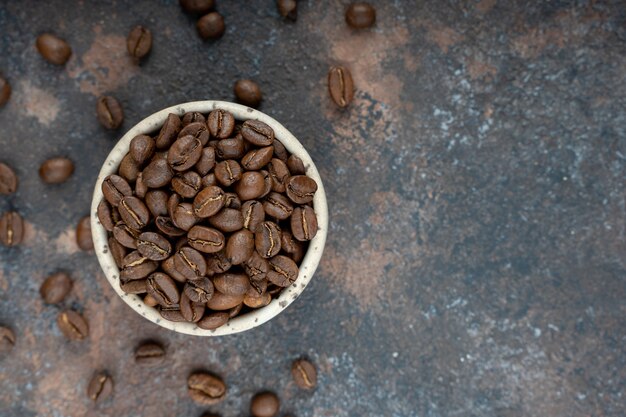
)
(198, 232)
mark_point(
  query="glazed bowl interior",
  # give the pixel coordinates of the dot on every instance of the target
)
(247, 321)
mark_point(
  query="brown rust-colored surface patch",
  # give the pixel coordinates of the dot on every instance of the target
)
(37, 103)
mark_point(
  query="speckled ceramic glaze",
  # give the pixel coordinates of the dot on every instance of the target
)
(244, 322)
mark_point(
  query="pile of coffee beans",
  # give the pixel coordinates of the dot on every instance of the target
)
(208, 218)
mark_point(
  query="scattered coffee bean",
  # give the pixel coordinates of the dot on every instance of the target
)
(11, 229)
(304, 374)
(56, 170)
(8, 179)
(139, 42)
(117, 251)
(100, 387)
(7, 341)
(54, 50)
(83, 234)
(55, 288)
(267, 239)
(110, 113)
(221, 123)
(264, 404)
(340, 86)
(301, 189)
(213, 320)
(169, 131)
(360, 15)
(283, 271)
(288, 9)
(205, 388)
(197, 6)
(5, 91)
(142, 148)
(72, 325)
(248, 93)
(135, 266)
(295, 165)
(211, 26)
(149, 354)
(303, 223)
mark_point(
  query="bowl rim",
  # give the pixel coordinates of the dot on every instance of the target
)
(308, 265)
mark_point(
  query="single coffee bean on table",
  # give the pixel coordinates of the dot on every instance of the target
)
(197, 6)
(5, 91)
(7, 341)
(11, 229)
(149, 354)
(56, 170)
(304, 374)
(53, 49)
(248, 93)
(139, 42)
(211, 26)
(205, 388)
(340, 86)
(109, 111)
(8, 179)
(288, 9)
(83, 234)
(360, 15)
(72, 325)
(264, 404)
(55, 288)
(100, 387)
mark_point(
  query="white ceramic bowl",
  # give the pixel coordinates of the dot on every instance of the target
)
(150, 125)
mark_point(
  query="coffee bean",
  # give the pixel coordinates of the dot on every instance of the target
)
(5, 91)
(206, 389)
(198, 130)
(288, 9)
(151, 302)
(55, 288)
(258, 287)
(208, 202)
(209, 180)
(257, 133)
(117, 251)
(280, 174)
(256, 267)
(231, 200)
(253, 215)
(251, 185)
(218, 263)
(8, 179)
(172, 203)
(340, 86)
(264, 404)
(206, 239)
(295, 165)
(213, 321)
(303, 223)
(211, 26)
(53, 49)
(153, 246)
(304, 374)
(11, 229)
(184, 153)
(301, 189)
(72, 325)
(278, 206)
(105, 215)
(141, 189)
(83, 234)
(128, 169)
(360, 15)
(267, 180)
(167, 227)
(157, 174)
(290, 245)
(187, 184)
(139, 42)
(227, 220)
(190, 263)
(163, 289)
(240, 246)
(248, 93)
(283, 271)
(184, 216)
(197, 6)
(142, 148)
(156, 201)
(149, 354)
(233, 312)
(228, 172)
(115, 188)
(193, 117)
(171, 313)
(257, 300)
(206, 162)
(169, 131)
(110, 113)
(7, 341)
(267, 239)
(221, 302)
(125, 235)
(280, 151)
(168, 266)
(257, 158)
(220, 123)
(199, 290)
(56, 170)
(273, 289)
(136, 266)
(232, 148)
(100, 387)
(231, 283)
(134, 212)
(191, 311)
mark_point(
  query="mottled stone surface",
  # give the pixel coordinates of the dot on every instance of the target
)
(476, 259)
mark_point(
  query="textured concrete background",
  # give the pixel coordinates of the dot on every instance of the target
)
(475, 263)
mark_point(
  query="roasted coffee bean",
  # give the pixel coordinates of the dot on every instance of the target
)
(5, 91)
(115, 188)
(232, 148)
(167, 227)
(105, 215)
(55, 288)
(213, 143)
(258, 287)
(197, 6)
(139, 42)
(208, 202)
(257, 158)
(141, 189)
(169, 267)
(153, 246)
(56, 170)
(117, 251)
(206, 389)
(163, 289)
(125, 235)
(231, 283)
(248, 93)
(220, 123)
(218, 263)
(157, 174)
(209, 180)
(303, 223)
(264, 404)
(72, 325)
(295, 165)
(191, 311)
(181, 242)
(11, 229)
(7, 341)
(211, 26)
(360, 15)
(278, 206)
(149, 354)
(228, 172)
(340, 86)
(190, 263)
(169, 131)
(206, 239)
(83, 234)
(142, 148)
(8, 179)
(110, 112)
(227, 220)
(54, 49)
(257, 300)
(184, 217)
(288, 9)
(193, 117)
(187, 184)
(283, 271)
(251, 185)
(253, 215)
(221, 302)
(129, 170)
(199, 290)
(240, 246)
(206, 162)
(213, 321)
(184, 153)
(289, 244)
(257, 133)
(134, 212)
(267, 181)
(267, 239)
(231, 200)
(172, 203)
(280, 151)
(171, 313)
(100, 387)
(198, 130)
(273, 289)
(301, 189)
(256, 267)
(136, 266)
(280, 174)
(156, 201)
(151, 302)
(136, 286)
(304, 374)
